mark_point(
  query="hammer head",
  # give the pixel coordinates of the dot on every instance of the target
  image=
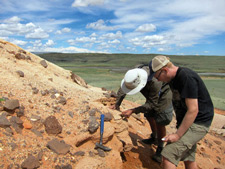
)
(98, 145)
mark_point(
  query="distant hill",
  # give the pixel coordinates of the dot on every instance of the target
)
(201, 64)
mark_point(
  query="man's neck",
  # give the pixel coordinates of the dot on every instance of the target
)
(174, 71)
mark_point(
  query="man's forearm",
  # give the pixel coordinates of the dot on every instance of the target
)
(189, 118)
(120, 96)
(186, 123)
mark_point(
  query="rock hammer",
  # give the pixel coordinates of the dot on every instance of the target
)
(100, 145)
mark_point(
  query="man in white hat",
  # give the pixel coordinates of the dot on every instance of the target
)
(194, 111)
(157, 109)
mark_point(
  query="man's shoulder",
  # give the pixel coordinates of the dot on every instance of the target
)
(186, 73)
(185, 70)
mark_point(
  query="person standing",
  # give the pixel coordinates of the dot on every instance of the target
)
(157, 109)
(193, 108)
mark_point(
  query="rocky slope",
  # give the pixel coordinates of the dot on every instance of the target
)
(50, 118)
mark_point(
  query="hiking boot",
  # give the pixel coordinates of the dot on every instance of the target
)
(157, 156)
(150, 141)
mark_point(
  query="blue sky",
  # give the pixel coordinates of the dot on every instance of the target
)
(176, 27)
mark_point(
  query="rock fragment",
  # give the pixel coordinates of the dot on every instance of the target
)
(4, 122)
(59, 147)
(44, 63)
(20, 73)
(11, 105)
(93, 125)
(30, 163)
(52, 125)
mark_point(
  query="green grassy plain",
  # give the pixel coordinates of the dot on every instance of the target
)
(107, 70)
(216, 87)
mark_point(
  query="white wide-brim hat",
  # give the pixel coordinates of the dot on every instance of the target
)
(134, 80)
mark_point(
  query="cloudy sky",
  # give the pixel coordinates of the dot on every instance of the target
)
(179, 27)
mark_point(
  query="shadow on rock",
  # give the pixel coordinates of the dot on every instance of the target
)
(141, 151)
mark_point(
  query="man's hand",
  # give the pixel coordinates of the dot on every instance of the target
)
(171, 138)
(192, 111)
(127, 113)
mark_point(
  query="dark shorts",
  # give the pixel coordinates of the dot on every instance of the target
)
(162, 118)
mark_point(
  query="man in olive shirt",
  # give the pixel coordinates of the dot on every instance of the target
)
(158, 106)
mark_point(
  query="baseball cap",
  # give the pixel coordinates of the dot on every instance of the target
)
(156, 64)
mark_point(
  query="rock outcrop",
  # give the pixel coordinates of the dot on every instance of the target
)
(49, 110)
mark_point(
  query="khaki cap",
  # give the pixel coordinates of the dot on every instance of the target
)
(158, 62)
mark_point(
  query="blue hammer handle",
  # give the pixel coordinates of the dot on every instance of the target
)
(101, 127)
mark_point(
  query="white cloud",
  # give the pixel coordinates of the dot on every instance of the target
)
(5, 33)
(130, 19)
(82, 40)
(58, 32)
(146, 28)
(38, 46)
(131, 49)
(161, 49)
(55, 22)
(117, 35)
(116, 41)
(12, 26)
(71, 41)
(30, 25)
(85, 39)
(99, 25)
(136, 42)
(66, 30)
(84, 3)
(4, 38)
(183, 22)
(14, 19)
(153, 38)
(70, 49)
(27, 6)
(50, 43)
(148, 41)
(192, 30)
(18, 42)
(93, 35)
(36, 43)
(88, 45)
(38, 33)
(104, 45)
(93, 39)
